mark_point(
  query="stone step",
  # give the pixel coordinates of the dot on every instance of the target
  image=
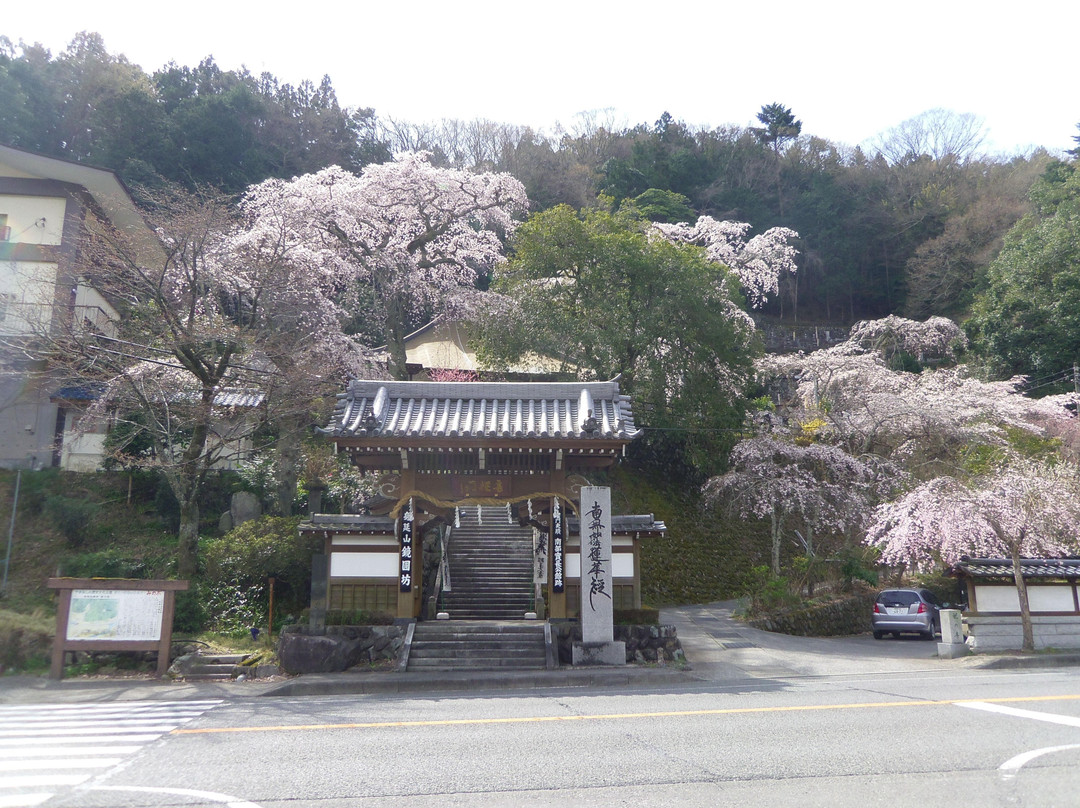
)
(475, 648)
(484, 630)
(475, 664)
(485, 614)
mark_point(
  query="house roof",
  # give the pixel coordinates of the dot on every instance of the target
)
(104, 186)
(1030, 567)
(522, 410)
(224, 397)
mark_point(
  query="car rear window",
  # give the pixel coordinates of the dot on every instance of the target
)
(899, 597)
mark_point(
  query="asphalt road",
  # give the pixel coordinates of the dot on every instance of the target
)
(955, 737)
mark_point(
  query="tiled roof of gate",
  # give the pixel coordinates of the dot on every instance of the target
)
(364, 523)
(484, 410)
(1031, 567)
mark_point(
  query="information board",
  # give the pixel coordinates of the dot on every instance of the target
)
(120, 615)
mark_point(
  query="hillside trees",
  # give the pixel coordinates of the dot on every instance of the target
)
(1027, 319)
(190, 126)
(411, 238)
(603, 295)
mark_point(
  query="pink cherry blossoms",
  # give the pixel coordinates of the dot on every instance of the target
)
(1024, 509)
(757, 263)
(404, 237)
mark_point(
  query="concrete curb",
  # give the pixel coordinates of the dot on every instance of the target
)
(1030, 661)
(474, 681)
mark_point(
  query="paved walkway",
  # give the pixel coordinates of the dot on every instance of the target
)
(722, 648)
(719, 649)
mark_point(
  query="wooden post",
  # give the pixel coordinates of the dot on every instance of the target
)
(270, 620)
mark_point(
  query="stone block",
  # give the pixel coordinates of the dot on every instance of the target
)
(244, 507)
(952, 650)
(599, 653)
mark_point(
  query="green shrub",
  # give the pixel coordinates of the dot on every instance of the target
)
(233, 608)
(35, 487)
(76, 519)
(260, 549)
(645, 616)
(189, 616)
(857, 564)
(768, 592)
(25, 640)
(105, 564)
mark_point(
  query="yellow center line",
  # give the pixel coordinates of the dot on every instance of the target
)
(452, 722)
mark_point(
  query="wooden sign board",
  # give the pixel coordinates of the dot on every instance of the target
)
(113, 614)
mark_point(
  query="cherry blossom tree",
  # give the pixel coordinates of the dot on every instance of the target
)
(825, 488)
(1024, 509)
(757, 263)
(918, 418)
(221, 332)
(936, 338)
(402, 238)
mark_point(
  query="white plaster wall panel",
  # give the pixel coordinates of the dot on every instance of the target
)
(364, 565)
(1041, 598)
(34, 219)
(622, 565)
(27, 288)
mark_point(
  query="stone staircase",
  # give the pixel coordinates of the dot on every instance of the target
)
(491, 568)
(210, 667)
(491, 575)
(447, 645)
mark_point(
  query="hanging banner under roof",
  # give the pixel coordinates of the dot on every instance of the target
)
(407, 518)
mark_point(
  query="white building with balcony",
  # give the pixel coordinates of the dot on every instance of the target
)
(47, 209)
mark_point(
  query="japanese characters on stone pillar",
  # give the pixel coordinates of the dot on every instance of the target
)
(558, 581)
(596, 585)
(407, 517)
(540, 556)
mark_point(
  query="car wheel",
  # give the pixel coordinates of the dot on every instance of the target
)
(879, 635)
(929, 633)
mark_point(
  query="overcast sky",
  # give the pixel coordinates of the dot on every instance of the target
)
(848, 70)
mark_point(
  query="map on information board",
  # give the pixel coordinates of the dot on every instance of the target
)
(106, 614)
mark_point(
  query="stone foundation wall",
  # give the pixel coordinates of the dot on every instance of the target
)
(1005, 633)
(643, 643)
(327, 649)
(835, 618)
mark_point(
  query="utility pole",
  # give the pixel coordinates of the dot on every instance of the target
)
(11, 532)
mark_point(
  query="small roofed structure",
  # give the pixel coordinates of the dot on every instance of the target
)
(444, 447)
(993, 613)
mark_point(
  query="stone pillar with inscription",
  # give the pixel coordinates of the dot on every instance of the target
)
(598, 646)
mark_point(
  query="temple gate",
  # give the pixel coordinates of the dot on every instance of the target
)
(515, 451)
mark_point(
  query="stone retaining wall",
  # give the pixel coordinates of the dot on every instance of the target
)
(835, 618)
(643, 643)
(327, 649)
(1005, 633)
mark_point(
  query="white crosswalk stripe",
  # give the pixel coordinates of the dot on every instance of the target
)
(45, 747)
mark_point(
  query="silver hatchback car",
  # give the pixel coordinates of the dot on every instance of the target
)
(906, 610)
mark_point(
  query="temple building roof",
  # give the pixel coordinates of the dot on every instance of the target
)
(479, 410)
(1029, 567)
